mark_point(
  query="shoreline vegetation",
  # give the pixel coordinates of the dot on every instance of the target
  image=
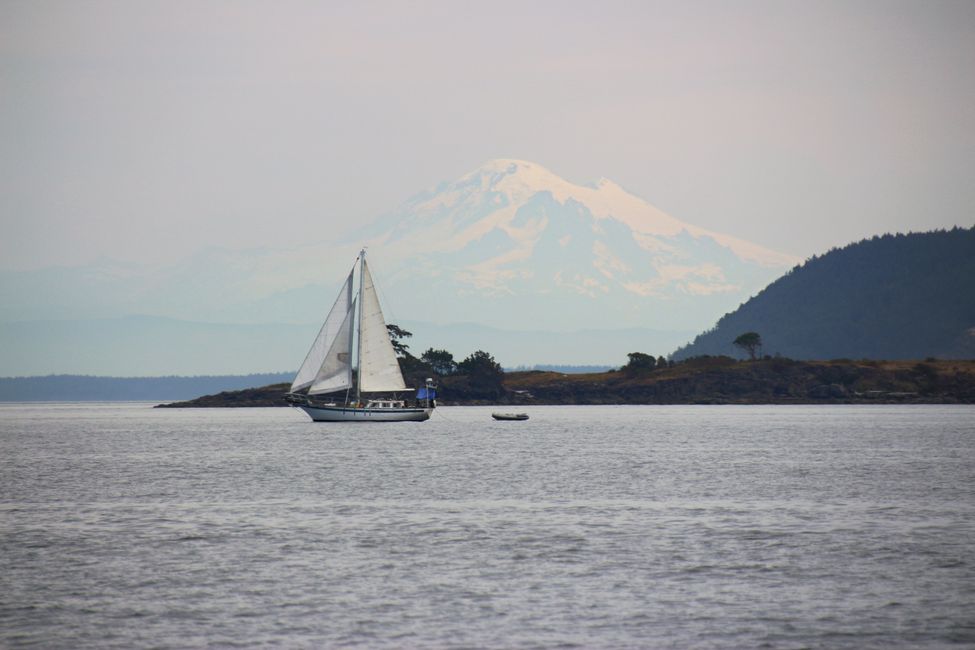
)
(699, 380)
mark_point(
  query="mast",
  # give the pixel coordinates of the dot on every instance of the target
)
(351, 349)
(358, 376)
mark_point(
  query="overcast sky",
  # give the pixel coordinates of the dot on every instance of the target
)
(147, 130)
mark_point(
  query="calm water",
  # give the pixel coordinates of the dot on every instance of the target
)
(614, 527)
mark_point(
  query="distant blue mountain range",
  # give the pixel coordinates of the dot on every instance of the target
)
(82, 388)
(154, 346)
(86, 388)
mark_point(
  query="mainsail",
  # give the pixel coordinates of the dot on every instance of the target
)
(328, 365)
(378, 368)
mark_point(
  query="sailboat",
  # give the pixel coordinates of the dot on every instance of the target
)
(356, 323)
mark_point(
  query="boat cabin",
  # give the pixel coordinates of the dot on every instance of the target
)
(385, 404)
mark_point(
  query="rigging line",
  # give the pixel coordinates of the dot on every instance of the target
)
(440, 413)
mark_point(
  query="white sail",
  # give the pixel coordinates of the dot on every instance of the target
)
(378, 368)
(327, 337)
(336, 371)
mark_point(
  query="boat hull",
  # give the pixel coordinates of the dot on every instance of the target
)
(352, 414)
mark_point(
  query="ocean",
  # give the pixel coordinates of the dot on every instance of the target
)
(122, 526)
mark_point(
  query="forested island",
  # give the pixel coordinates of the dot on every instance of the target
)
(903, 296)
(700, 380)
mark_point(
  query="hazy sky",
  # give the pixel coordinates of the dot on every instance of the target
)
(147, 130)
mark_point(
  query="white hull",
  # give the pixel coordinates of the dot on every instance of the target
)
(351, 414)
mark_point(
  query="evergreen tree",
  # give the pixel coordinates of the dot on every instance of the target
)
(396, 334)
(484, 373)
(440, 361)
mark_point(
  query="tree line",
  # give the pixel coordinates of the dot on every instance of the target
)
(477, 375)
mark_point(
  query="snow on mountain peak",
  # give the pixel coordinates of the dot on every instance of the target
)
(507, 184)
(512, 237)
(516, 179)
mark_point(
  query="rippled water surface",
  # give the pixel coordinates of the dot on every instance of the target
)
(617, 527)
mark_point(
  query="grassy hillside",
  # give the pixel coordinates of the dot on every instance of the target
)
(723, 380)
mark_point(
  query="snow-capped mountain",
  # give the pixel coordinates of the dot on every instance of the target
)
(509, 246)
(512, 242)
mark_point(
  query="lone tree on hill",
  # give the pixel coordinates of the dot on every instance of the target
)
(750, 342)
(640, 362)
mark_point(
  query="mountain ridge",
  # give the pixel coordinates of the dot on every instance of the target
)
(903, 296)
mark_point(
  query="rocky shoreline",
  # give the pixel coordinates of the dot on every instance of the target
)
(705, 380)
